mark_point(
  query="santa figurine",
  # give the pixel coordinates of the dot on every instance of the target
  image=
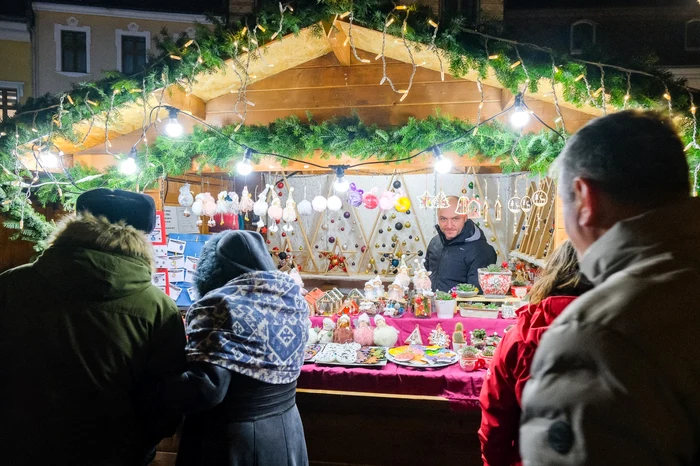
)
(421, 280)
(402, 277)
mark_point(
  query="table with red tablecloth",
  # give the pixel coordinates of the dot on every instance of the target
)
(459, 387)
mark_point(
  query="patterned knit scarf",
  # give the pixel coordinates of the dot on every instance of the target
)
(255, 325)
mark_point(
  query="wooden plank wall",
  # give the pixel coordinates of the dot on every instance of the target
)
(15, 252)
(326, 88)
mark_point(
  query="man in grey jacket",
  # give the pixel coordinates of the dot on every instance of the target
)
(616, 379)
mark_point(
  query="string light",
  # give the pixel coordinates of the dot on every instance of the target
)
(579, 77)
(494, 56)
(515, 65)
(70, 99)
(341, 184)
(128, 166)
(244, 167)
(435, 49)
(520, 116)
(442, 164)
(173, 128)
(629, 89)
(352, 44)
(560, 117)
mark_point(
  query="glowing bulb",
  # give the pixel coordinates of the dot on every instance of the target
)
(519, 118)
(128, 166)
(442, 164)
(173, 128)
(49, 159)
(244, 167)
(341, 185)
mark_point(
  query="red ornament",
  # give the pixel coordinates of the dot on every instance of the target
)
(284, 233)
(269, 242)
(263, 230)
(279, 193)
(280, 185)
(277, 222)
(504, 264)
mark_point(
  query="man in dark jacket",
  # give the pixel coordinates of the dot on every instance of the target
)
(82, 331)
(457, 251)
(616, 379)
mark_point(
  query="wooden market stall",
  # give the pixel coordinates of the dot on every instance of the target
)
(321, 75)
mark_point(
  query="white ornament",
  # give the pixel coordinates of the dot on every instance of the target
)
(304, 208)
(260, 206)
(185, 198)
(246, 204)
(234, 204)
(334, 204)
(290, 214)
(221, 203)
(319, 203)
(198, 205)
(275, 210)
(209, 204)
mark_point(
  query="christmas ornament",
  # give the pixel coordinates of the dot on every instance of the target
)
(280, 185)
(304, 207)
(289, 214)
(331, 239)
(355, 196)
(211, 223)
(397, 184)
(234, 205)
(414, 338)
(526, 204)
(386, 202)
(198, 206)
(275, 211)
(462, 204)
(402, 204)
(440, 201)
(334, 203)
(539, 198)
(246, 202)
(407, 225)
(370, 200)
(398, 226)
(425, 200)
(260, 207)
(185, 199)
(438, 337)
(474, 208)
(319, 203)
(497, 207)
(346, 214)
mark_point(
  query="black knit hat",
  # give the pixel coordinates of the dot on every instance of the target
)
(228, 255)
(137, 210)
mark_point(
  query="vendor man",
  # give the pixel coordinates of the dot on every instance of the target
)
(457, 251)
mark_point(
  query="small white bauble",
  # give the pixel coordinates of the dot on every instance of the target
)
(275, 211)
(334, 204)
(319, 203)
(304, 208)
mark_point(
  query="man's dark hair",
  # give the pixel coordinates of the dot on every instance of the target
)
(635, 157)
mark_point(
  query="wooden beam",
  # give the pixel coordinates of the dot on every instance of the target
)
(340, 44)
(507, 99)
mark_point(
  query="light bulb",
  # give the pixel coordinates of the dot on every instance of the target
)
(128, 166)
(520, 117)
(244, 167)
(48, 159)
(443, 164)
(341, 184)
(173, 128)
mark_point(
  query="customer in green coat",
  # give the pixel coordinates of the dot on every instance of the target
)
(83, 333)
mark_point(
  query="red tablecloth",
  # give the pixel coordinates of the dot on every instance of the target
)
(459, 387)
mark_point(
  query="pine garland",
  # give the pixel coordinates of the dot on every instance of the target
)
(465, 52)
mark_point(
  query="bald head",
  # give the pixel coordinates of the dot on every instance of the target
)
(451, 223)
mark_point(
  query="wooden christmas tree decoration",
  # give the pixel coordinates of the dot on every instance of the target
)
(438, 337)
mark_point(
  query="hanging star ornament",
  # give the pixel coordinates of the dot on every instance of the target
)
(425, 201)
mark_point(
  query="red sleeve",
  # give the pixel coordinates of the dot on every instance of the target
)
(500, 411)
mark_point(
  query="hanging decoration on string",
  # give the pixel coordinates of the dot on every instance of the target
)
(474, 206)
(246, 203)
(304, 207)
(289, 215)
(497, 206)
(463, 201)
(441, 201)
(485, 206)
(185, 199)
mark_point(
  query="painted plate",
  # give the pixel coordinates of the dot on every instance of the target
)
(422, 356)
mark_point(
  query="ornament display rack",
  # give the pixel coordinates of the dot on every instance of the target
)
(534, 232)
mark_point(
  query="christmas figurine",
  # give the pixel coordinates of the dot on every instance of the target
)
(402, 277)
(384, 335)
(326, 333)
(343, 332)
(438, 337)
(313, 335)
(363, 334)
(260, 206)
(421, 280)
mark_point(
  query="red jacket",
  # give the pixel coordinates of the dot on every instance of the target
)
(504, 382)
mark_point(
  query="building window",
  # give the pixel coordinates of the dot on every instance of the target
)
(582, 36)
(692, 35)
(133, 54)
(468, 9)
(132, 49)
(9, 99)
(72, 48)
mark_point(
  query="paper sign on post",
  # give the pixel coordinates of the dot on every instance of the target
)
(160, 250)
(176, 275)
(177, 246)
(161, 262)
(176, 261)
(175, 292)
(159, 279)
(191, 263)
(192, 292)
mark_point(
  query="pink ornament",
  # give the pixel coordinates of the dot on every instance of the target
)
(370, 200)
(386, 202)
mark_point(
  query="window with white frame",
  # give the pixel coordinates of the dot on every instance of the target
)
(132, 49)
(72, 48)
(582, 35)
(692, 35)
(10, 94)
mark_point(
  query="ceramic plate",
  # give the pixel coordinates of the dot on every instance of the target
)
(426, 356)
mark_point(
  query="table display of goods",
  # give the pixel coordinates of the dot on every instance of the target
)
(352, 354)
(422, 356)
(311, 351)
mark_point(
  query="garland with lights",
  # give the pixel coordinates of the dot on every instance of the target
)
(518, 67)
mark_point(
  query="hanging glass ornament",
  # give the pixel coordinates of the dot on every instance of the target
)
(355, 196)
(386, 201)
(526, 204)
(370, 200)
(425, 200)
(403, 203)
(497, 210)
(462, 204)
(304, 207)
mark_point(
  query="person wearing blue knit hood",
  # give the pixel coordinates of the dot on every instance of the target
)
(245, 350)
